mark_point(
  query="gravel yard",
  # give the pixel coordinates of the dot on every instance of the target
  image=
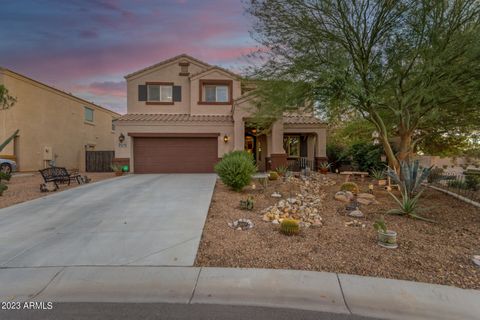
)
(428, 252)
(26, 186)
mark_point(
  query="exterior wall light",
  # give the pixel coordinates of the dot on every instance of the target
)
(121, 138)
(226, 138)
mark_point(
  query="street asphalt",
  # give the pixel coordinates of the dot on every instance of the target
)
(146, 311)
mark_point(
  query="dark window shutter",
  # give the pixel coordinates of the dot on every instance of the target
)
(142, 93)
(177, 93)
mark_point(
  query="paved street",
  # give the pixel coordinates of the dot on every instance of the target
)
(137, 220)
(124, 311)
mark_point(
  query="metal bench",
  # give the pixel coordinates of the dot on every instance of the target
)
(59, 175)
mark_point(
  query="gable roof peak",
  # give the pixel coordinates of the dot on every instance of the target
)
(180, 57)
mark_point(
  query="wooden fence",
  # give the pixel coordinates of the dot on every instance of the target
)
(99, 161)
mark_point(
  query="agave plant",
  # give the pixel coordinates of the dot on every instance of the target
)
(378, 174)
(411, 177)
(324, 165)
(408, 206)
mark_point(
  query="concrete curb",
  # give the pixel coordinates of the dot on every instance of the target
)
(306, 290)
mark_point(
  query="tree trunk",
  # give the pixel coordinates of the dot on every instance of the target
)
(405, 147)
(391, 158)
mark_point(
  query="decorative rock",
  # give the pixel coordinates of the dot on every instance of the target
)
(275, 221)
(364, 201)
(241, 224)
(353, 205)
(355, 223)
(276, 195)
(476, 260)
(349, 195)
(356, 214)
(366, 196)
(342, 196)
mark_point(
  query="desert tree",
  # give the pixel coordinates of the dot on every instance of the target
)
(409, 67)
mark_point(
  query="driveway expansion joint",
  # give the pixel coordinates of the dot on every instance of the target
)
(33, 296)
(343, 294)
(195, 287)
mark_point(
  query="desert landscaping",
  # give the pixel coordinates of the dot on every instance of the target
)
(26, 186)
(331, 240)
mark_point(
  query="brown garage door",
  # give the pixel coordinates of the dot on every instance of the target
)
(175, 154)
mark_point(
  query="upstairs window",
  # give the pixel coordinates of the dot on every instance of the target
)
(160, 92)
(215, 92)
(88, 114)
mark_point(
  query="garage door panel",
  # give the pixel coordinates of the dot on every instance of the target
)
(174, 155)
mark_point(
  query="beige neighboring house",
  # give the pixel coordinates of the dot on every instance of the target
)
(54, 125)
(184, 114)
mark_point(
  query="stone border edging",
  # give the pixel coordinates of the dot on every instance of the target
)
(307, 290)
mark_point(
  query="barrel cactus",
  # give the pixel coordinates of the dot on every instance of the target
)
(290, 227)
(350, 186)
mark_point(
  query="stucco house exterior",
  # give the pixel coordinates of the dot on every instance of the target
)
(54, 125)
(183, 114)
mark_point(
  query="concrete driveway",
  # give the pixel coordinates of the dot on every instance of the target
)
(138, 220)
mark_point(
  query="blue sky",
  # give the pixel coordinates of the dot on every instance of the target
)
(86, 47)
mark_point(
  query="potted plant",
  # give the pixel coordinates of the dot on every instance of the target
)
(282, 170)
(324, 167)
(379, 175)
(386, 238)
(117, 169)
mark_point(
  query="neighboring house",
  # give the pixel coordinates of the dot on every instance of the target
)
(184, 114)
(54, 125)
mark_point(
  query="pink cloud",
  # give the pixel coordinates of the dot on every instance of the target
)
(105, 88)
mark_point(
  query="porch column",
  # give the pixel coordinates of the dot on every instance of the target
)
(311, 141)
(239, 134)
(278, 157)
(321, 147)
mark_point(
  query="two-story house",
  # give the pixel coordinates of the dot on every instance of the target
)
(56, 127)
(184, 114)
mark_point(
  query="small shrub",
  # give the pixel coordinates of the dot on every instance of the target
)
(365, 156)
(236, 169)
(350, 186)
(289, 227)
(3, 187)
(282, 170)
(5, 176)
(273, 175)
(435, 174)
(457, 184)
(472, 182)
(247, 204)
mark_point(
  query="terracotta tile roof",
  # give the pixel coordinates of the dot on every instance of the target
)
(301, 120)
(175, 117)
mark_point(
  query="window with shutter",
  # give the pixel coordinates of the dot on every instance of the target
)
(159, 93)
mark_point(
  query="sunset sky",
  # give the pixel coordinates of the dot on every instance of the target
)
(86, 46)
